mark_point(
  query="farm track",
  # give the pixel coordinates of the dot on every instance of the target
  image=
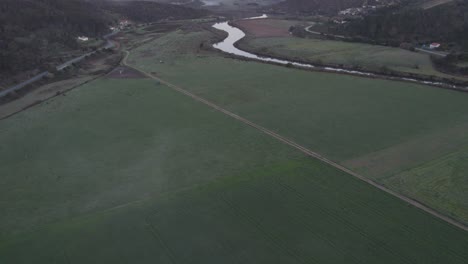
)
(303, 149)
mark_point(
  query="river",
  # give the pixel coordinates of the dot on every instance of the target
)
(235, 34)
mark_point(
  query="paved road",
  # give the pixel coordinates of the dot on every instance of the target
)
(109, 45)
(23, 84)
(322, 34)
(437, 53)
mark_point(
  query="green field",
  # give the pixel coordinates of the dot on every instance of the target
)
(376, 127)
(426, 181)
(131, 171)
(371, 57)
(463, 64)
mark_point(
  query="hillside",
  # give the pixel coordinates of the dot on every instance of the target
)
(322, 6)
(33, 31)
(146, 11)
(30, 29)
(446, 23)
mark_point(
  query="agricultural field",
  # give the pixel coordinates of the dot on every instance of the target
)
(262, 28)
(370, 57)
(390, 126)
(126, 169)
(426, 181)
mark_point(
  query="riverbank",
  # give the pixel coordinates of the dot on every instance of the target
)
(232, 45)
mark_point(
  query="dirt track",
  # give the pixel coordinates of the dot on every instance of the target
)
(305, 150)
(125, 73)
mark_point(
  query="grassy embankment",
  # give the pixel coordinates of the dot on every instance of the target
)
(129, 170)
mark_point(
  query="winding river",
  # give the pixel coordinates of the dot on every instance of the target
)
(235, 34)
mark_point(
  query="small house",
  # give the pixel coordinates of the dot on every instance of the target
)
(434, 45)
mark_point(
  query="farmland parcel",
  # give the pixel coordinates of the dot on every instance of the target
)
(128, 170)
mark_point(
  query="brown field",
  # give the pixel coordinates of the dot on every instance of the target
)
(264, 28)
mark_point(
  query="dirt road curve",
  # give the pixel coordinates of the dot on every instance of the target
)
(303, 149)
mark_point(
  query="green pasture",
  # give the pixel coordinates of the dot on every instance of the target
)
(375, 127)
(131, 171)
(371, 57)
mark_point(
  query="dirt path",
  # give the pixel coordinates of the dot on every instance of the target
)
(303, 149)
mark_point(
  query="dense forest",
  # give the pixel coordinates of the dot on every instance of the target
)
(447, 24)
(321, 6)
(31, 31)
(145, 11)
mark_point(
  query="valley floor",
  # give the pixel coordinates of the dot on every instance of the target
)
(125, 170)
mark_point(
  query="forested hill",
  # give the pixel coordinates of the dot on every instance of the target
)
(146, 11)
(32, 31)
(319, 6)
(446, 23)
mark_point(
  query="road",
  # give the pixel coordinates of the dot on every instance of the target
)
(322, 34)
(109, 45)
(433, 3)
(303, 149)
(23, 84)
(437, 53)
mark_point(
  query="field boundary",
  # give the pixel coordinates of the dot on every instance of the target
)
(304, 150)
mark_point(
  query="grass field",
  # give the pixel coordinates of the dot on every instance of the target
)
(376, 127)
(120, 170)
(114, 141)
(425, 181)
(371, 57)
(128, 170)
(123, 171)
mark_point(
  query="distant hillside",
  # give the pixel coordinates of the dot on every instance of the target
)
(32, 31)
(447, 23)
(321, 6)
(146, 11)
